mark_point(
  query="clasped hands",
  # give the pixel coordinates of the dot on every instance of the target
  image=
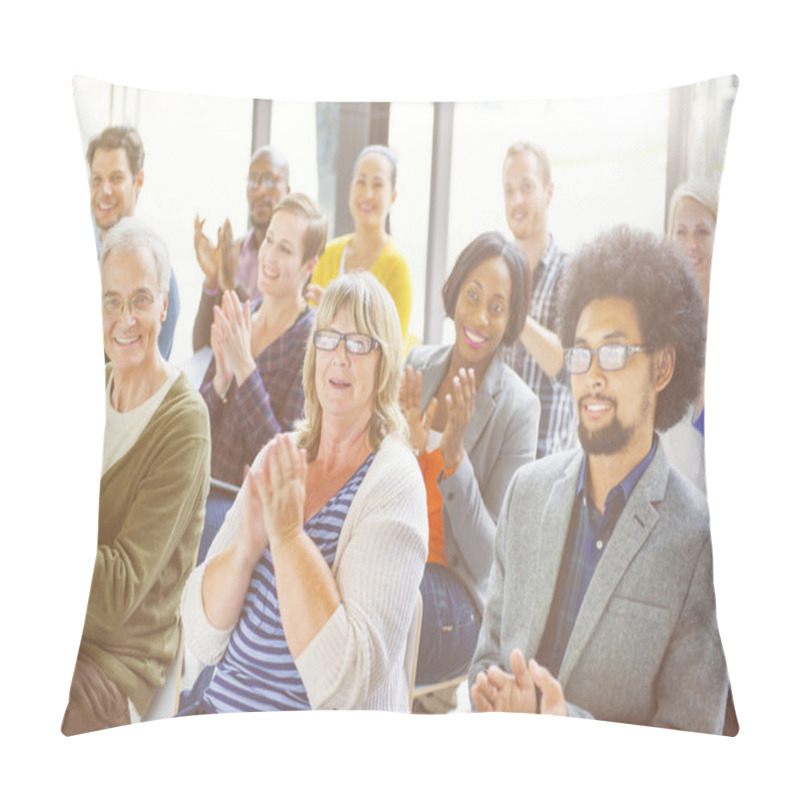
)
(274, 498)
(231, 343)
(460, 403)
(496, 690)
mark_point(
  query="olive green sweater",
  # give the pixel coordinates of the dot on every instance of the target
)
(152, 503)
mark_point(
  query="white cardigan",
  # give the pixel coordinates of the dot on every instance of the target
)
(356, 661)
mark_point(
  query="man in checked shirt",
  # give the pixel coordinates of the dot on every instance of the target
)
(538, 357)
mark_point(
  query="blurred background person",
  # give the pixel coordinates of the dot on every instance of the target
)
(232, 265)
(369, 248)
(154, 481)
(116, 176)
(308, 592)
(537, 357)
(473, 423)
(692, 226)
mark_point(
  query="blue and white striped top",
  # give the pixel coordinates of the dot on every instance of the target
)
(257, 672)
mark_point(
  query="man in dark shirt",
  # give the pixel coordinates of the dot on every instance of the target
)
(234, 264)
(602, 573)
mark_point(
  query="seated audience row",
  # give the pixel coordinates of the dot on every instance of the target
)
(230, 265)
(305, 597)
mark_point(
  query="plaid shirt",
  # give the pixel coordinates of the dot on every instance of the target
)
(587, 538)
(247, 275)
(252, 414)
(557, 420)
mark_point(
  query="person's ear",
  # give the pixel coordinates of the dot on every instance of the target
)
(549, 192)
(163, 314)
(139, 180)
(664, 367)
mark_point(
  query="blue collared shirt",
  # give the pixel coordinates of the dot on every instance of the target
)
(587, 538)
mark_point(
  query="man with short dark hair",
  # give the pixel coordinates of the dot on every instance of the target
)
(538, 357)
(116, 175)
(602, 573)
(234, 265)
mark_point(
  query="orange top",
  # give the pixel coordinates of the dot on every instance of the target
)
(432, 465)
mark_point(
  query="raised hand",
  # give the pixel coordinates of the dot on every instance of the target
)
(228, 263)
(281, 486)
(236, 325)
(410, 402)
(313, 293)
(224, 374)
(460, 402)
(253, 538)
(208, 256)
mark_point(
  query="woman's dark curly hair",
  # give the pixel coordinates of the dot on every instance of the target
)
(486, 246)
(652, 274)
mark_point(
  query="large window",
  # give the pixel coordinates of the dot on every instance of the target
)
(410, 136)
(612, 161)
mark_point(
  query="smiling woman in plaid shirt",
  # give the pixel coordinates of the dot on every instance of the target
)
(254, 385)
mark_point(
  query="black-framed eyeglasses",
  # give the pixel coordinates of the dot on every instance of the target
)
(267, 179)
(358, 344)
(610, 357)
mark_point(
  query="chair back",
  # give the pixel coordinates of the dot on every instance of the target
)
(412, 648)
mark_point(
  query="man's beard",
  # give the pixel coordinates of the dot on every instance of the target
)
(605, 441)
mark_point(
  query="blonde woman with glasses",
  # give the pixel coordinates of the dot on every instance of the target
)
(307, 594)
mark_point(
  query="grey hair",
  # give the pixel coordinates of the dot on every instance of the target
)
(130, 235)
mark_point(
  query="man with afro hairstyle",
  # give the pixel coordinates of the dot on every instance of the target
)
(601, 598)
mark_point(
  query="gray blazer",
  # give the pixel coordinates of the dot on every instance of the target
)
(500, 438)
(645, 648)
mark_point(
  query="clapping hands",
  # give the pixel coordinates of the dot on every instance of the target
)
(218, 262)
(419, 425)
(460, 402)
(275, 492)
(231, 342)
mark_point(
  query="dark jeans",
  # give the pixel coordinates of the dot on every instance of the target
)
(450, 625)
(191, 702)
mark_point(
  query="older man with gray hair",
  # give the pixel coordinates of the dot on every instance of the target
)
(116, 176)
(155, 475)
